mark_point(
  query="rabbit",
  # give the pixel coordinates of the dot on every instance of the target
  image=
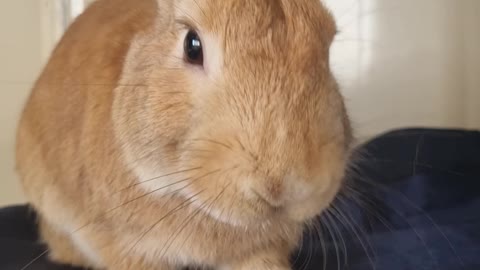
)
(165, 134)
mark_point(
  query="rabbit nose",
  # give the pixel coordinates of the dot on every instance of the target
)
(271, 194)
(278, 192)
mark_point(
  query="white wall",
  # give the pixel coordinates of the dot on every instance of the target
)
(20, 61)
(409, 62)
(401, 64)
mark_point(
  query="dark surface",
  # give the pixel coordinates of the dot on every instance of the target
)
(413, 200)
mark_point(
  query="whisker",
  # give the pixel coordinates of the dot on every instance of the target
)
(423, 213)
(440, 170)
(147, 194)
(200, 8)
(182, 205)
(73, 84)
(417, 152)
(176, 233)
(334, 239)
(356, 231)
(104, 215)
(365, 207)
(159, 177)
(233, 201)
(214, 142)
(415, 162)
(35, 259)
(199, 150)
(210, 207)
(322, 243)
(300, 250)
(188, 219)
(109, 211)
(305, 263)
(331, 216)
(186, 14)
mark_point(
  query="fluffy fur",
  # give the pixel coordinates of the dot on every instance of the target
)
(135, 159)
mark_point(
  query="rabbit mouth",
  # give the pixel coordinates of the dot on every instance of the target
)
(258, 214)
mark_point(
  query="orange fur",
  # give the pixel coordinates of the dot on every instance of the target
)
(252, 147)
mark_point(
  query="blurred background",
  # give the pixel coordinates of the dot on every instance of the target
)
(410, 63)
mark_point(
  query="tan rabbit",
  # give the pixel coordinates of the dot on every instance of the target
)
(172, 133)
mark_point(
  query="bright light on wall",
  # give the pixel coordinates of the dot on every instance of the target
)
(69, 10)
(352, 49)
(57, 15)
(76, 7)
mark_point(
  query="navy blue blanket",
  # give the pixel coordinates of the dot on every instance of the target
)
(412, 201)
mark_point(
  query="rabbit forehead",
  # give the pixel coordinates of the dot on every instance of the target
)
(257, 16)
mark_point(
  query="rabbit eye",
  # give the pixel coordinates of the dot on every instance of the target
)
(193, 48)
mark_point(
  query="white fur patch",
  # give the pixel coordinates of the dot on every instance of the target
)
(78, 242)
(213, 212)
(158, 182)
(86, 250)
(297, 188)
(62, 219)
(213, 56)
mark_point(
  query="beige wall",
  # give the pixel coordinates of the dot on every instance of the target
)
(20, 61)
(400, 63)
(471, 41)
